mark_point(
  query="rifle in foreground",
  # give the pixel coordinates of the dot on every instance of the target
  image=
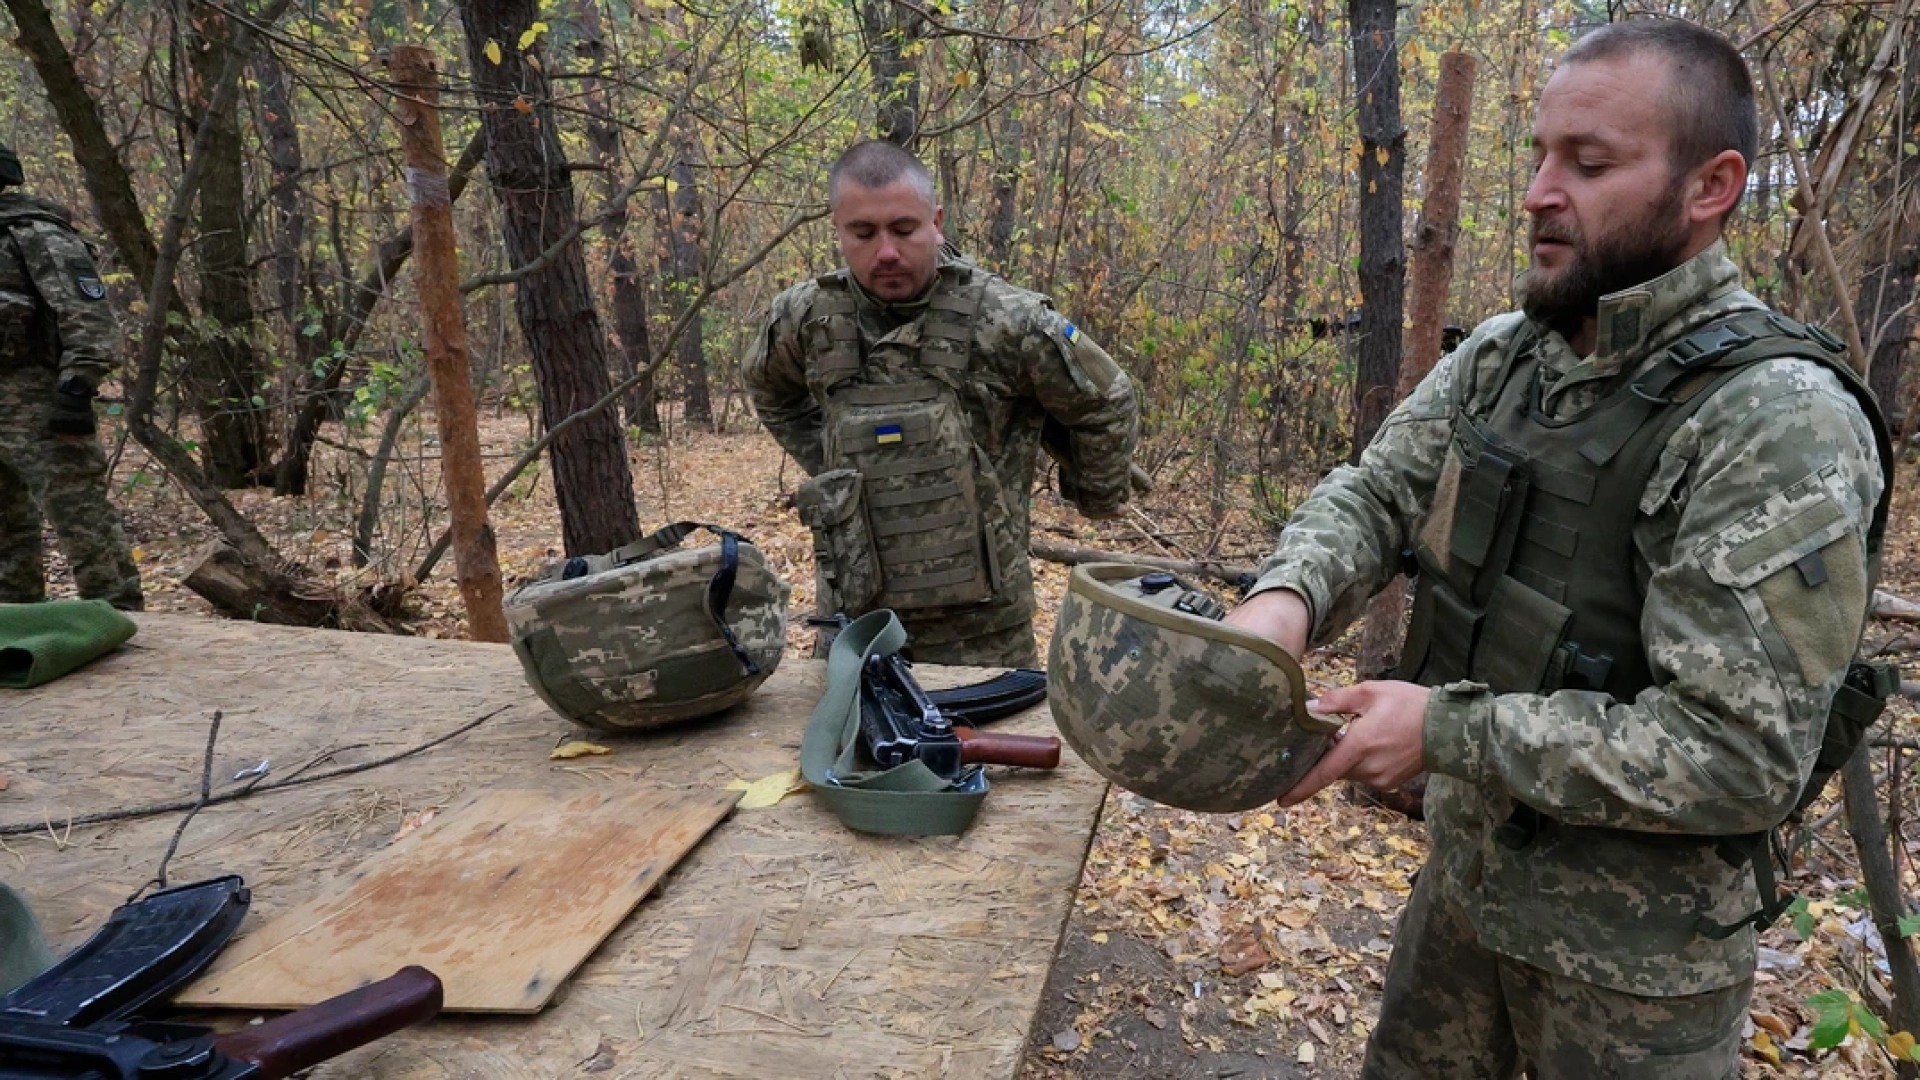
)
(32, 1050)
(82, 1019)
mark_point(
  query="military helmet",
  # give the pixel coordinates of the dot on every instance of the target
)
(1163, 699)
(11, 174)
(651, 633)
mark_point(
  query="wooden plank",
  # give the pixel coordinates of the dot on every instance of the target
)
(884, 979)
(502, 898)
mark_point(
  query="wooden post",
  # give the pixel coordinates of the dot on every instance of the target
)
(437, 278)
(1433, 242)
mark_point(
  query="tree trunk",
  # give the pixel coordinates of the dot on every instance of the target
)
(629, 293)
(1376, 84)
(888, 30)
(1433, 244)
(281, 140)
(685, 243)
(1009, 150)
(437, 280)
(226, 378)
(527, 164)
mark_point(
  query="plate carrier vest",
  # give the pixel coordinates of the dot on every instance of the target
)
(1537, 590)
(907, 512)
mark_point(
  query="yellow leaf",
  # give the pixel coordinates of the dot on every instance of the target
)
(493, 51)
(1763, 1045)
(1190, 99)
(575, 748)
(1382, 156)
(532, 34)
(139, 554)
(1305, 1056)
(523, 104)
(1900, 1044)
(768, 790)
(1100, 938)
(963, 79)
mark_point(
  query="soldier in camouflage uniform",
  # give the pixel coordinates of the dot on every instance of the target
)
(913, 387)
(57, 342)
(1642, 510)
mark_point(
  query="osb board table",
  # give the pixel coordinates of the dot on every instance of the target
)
(908, 957)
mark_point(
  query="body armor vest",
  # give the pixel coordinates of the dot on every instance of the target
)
(1527, 579)
(902, 515)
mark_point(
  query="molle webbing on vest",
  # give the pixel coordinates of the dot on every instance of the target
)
(1538, 589)
(947, 331)
(836, 313)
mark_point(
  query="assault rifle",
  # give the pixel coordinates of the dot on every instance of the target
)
(900, 721)
(83, 1019)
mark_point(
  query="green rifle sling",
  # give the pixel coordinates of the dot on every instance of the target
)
(907, 800)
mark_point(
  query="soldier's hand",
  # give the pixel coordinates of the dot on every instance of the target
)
(1279, 614)
(1384, 746)
(72, 414)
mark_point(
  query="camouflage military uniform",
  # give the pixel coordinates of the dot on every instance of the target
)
(56, 329)
(1012, 363)
(1580, 950)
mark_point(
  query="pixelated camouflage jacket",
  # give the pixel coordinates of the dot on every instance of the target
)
(53, 307)
(1027, 363)
(1744, 669)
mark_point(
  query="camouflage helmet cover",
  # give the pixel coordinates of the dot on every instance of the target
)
(11, 174)
(1161, 698)
(631, 640)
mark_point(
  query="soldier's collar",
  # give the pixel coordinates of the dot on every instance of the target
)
(1631, 320)
(904, 308)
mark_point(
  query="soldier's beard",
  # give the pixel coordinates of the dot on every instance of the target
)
(1632, 254)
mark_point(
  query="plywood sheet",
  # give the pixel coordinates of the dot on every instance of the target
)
(781, 945)
(502, 897)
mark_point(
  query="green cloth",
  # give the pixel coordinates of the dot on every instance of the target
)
(41, 642)
(23, 951)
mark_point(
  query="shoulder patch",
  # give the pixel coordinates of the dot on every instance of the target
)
(89, 284)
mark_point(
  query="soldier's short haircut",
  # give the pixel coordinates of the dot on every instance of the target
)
(1708, 83)
(876, 163)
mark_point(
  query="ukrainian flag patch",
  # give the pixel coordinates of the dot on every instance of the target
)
(1073, 333)
(886, 433)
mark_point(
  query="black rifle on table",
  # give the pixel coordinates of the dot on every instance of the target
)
(900, 721)
(84, 1018)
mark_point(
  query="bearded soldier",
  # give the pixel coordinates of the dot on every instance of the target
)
(1642, 511)
(57, 343)
(914, 387)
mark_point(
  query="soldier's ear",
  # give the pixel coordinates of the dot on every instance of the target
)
(939, 216)
(1714, 186)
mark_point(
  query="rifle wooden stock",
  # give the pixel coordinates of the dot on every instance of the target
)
(306, 1037)
(993, 748)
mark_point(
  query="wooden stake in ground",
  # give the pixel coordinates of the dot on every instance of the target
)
(437, 277)
(1433, 241)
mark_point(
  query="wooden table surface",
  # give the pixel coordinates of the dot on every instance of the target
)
(782, 946)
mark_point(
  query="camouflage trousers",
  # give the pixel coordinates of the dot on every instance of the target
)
(67, 482)
(1453, 1009)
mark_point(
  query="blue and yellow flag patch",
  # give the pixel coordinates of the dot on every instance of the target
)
(1073, 333)
(886, 433)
